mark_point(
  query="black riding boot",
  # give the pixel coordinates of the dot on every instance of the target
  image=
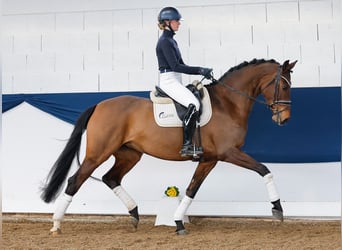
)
(189, 127)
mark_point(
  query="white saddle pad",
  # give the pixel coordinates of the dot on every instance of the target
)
(165, 113)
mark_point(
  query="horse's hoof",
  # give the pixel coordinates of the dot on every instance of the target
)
(134, 222)
(55, 232)
(277, 214)
(182, 232)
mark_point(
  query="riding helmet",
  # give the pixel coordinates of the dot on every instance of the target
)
(169, 13)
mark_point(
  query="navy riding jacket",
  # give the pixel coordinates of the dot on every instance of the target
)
(169, 56)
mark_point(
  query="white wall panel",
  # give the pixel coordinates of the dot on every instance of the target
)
(330, 74)
(7, 43)
(292, 51)
(305, 75)
(236, 34)
(300, 32)
(312, 51)
(127, 19)
(111, 81)
(84, 81)
(248, 52)
(195, 56)
(210, 37)
(220, 59)
(98, 21)
(41, 23)
(68, 22)
(98, 62)
(128, 59)
(120, 39)
(250, 13)
(14, 24)
(29, 82)
(105, 43)
(268, 33)
(69, 62)
(54, 42)
(14, 62)
(25, 43)
(218, 16)
(310, 10)
(149, 18)
(139, 80)
(83, 42)
(150, 64)
(41, 63)
(283, 11)
(276, 51)
(193, 17)
(329, 31)
(7, 82)
(143, 38)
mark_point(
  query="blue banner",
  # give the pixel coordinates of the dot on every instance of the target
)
(313, 133)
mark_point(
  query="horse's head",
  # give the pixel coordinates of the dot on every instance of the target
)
(277, 92)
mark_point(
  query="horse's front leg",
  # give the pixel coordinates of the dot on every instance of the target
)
(239, 158)
(201, 172)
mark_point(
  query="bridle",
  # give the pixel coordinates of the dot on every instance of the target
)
(276, 80)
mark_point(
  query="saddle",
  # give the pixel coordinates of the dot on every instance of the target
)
(196, 88)
(170, 113)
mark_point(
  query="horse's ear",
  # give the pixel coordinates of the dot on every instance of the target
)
(287, 66)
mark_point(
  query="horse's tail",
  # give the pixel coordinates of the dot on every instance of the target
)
(60, 169)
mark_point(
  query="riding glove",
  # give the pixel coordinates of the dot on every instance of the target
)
(206, 72)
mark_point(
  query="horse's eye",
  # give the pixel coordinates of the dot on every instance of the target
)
(285, 86)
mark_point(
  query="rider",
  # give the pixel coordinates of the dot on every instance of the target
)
(171, 67)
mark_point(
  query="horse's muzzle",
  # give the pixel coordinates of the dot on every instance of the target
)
(281, 114)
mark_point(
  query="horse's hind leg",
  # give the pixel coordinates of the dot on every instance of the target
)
(125, 160)
(74, 184)
(242, 159)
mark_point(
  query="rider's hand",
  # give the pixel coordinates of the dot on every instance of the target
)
(206, 72)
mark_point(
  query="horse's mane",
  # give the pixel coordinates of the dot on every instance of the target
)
(245, 64)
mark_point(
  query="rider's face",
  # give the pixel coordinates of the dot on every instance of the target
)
(175, 25)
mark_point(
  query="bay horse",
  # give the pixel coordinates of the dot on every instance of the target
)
(124, 127)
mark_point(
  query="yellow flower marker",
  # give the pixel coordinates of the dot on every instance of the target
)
(172, 191)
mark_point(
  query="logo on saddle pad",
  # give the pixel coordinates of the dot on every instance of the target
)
(165, 113)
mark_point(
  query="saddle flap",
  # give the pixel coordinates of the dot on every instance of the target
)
(166, 115)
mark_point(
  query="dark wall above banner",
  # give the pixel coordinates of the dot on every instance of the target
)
(312, 135)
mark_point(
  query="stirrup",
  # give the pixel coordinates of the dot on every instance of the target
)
(191, 150)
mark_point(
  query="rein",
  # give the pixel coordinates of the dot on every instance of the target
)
(276, 80)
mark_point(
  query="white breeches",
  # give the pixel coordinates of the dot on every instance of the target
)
(171, 84)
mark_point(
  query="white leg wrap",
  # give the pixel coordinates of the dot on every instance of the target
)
(271, 188)
(182, 208)
(62, 206)
(124, 197)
